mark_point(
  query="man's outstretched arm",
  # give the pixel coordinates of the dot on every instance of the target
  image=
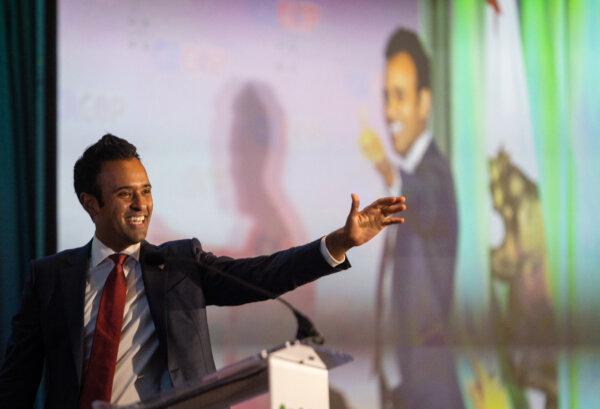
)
(362, 225)
(285, 270)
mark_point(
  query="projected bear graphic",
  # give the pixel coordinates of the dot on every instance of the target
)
(521, 303)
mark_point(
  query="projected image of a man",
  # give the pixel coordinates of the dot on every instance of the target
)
(407, 101)
(421, 262)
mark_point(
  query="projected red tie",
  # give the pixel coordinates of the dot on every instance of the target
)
(100, 370)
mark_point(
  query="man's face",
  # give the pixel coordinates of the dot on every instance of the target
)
(406, 109)
(127, 196)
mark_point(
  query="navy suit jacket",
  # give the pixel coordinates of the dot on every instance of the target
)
(47, 332)
(423, 285)
(425, 253)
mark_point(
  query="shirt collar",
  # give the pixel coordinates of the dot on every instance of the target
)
(409, 162)
(101, 251)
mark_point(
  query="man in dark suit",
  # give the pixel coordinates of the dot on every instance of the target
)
(120, 319)
(421, 258)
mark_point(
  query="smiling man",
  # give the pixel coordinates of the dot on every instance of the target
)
(122, 207)
(106, 321)
(421, 256)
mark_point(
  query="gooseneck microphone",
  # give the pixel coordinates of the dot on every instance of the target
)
(306, 330)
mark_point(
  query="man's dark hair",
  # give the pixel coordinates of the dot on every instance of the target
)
(405, 41)
(88, 166)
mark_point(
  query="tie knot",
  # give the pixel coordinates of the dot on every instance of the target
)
(119, 259)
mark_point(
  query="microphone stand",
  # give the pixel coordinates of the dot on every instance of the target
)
(306, 330)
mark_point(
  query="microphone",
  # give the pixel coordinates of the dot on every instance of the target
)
(306, 330)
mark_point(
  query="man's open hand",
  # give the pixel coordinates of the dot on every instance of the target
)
(362, 225)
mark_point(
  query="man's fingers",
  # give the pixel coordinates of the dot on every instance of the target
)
(395, 205)
(385, 201)
(387, 205)
(399, 207)
(390, 200)
(393, 220)
(355, 203)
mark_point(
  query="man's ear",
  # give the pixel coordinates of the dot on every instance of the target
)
(424, 103)
(90, 204)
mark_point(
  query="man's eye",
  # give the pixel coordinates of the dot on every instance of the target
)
(124, 194)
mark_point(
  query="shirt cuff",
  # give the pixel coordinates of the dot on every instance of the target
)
(327, 255)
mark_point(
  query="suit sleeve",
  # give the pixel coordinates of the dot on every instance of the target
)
(23, 362)
(278, 273)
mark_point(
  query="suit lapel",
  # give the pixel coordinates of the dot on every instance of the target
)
(73, 286)
(72, 282)
(155, 280)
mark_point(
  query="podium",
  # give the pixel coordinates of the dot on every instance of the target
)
(295, 374)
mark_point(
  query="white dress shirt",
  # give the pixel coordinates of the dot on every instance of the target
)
(139, 373)
(409, 162)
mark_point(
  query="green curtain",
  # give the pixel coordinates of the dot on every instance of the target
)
(435, 26)
(560, 48)
(560, 41)
(27, 145)
(470, 167)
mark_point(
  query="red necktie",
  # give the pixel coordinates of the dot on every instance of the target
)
(98, 380)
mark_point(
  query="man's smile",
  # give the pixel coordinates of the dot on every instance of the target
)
(136, 220)
(396, 127)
